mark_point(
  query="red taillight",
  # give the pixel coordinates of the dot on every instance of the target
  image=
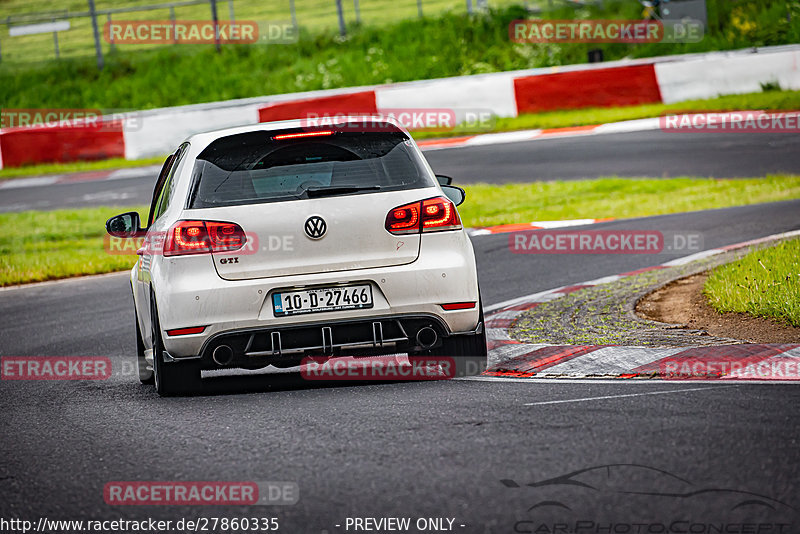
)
(404, 219)
(186, 331)
(432, 215)
(200, 237)
(439, 214)
(302, 134)
(458, 306)
(225, 236)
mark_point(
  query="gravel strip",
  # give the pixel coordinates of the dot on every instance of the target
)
(604, 314)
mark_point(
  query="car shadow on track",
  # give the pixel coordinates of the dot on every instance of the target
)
(265, 383)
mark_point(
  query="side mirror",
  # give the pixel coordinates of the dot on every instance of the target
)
(456, 194)
(444, 180)
(124, 225)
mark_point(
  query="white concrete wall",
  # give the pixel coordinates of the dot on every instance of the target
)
(709, 77)
(490, 92)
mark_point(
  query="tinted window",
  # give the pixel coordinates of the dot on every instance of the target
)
(162, 177)
(166, 190)
(253, 167)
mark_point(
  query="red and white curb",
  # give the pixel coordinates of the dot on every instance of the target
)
(638, 125)
(704, 122)
(731, 362)
(536, 225)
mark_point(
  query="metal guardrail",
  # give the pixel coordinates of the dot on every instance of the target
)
(84, 36)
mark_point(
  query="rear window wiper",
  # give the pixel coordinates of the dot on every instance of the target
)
(339, 190)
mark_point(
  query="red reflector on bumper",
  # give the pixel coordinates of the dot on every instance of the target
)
(186, 331)
(458, 306)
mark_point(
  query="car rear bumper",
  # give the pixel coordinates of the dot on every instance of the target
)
(189, 293)
(287, 345)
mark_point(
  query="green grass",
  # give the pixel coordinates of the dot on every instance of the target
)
(36, 246)
(765, 283)
(489, 205)
(77, 166)
(448, 44)
(314, 15)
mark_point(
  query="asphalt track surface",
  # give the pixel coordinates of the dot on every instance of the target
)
(650, 154)
(670, 453)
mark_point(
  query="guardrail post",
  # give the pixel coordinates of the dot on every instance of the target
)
(358, 11)
(55, 42)
(419, 8)
(110, 33)
(98, 47)
(215, 18)
(294, 13)
(342, 27)
(174, 25)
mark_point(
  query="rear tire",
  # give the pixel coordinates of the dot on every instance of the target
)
(469, 352)
(171, 378)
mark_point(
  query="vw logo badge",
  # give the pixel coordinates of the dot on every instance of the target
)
(316, 227)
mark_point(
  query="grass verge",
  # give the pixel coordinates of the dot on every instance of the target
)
(489, 205)
(765, 283)
(45, 245)
(37, 246)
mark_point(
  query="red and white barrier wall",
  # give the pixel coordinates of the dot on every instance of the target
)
(29, 145)
(505, 94)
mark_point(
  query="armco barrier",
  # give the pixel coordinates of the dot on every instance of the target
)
(43, 144)
(505, 94)
(362, 102)
(617, 86)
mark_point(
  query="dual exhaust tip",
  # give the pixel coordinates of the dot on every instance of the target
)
(427, 337)
(222, 355)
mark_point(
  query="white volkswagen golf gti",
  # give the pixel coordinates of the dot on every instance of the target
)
(266, 244)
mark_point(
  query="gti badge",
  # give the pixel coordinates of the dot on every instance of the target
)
(315, 227)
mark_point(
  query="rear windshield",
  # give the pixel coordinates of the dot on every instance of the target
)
(253, 167)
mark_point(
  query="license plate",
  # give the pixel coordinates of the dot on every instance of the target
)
(322, 299)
